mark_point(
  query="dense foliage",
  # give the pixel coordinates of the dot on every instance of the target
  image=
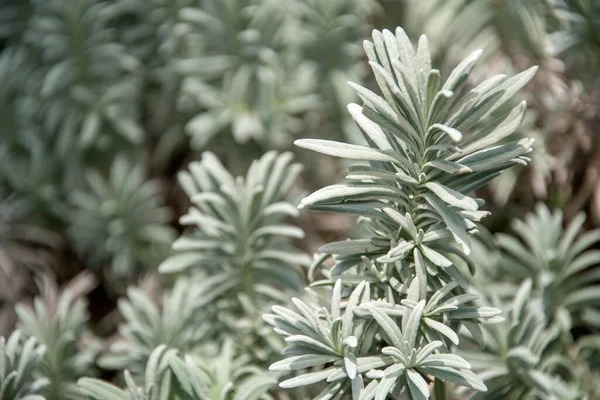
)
(161, 236)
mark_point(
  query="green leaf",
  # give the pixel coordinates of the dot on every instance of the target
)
(489, 158)
(452, 197)
(343, 150)
(370, 128)
(450, 167)
(506, 128)
(302, 362)
(435, 257)
(421, 273)
(100, 390)
(511, 86)
(417, 385)
(589, 296)
(350, 364)
(443, 329)
(452, 133)
(461, 377)
(587, 259)
(180, 262)
(459, 75)
(341, 193)
(255, 387)
(358, 246)
(455, 224)
(387, 324)
(412, 326)
(306, 379)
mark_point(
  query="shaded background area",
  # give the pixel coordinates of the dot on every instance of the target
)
(103, 102)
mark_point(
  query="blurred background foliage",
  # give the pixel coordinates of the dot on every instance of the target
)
(104, 102)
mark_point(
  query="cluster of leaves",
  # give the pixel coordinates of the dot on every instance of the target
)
(96, 98)
(557, 261)
(25, 250)
(562, 37)
(238, 246)
(18, 357)
(234, 261)
(578, 36)
(177, 325)
(168, 376)
(545, 279)
(247, 69)
(207, 339)
(429, 147)
(44, 358)
(124, 216)
(258, 67)
(100, 100)
(72, 141)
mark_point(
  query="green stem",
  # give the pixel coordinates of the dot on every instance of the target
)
(439, 389)
(248, 281)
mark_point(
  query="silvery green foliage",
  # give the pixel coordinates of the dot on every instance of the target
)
(237, 226)
(179, 324)
(345, 341)
(558, 261)
(588, 351)
(223, 66)
(513, 33)
(20, 109)
(74, 78)
(329, 35)
(14, 17)
(154, 33)
(227, 376)
(238, 246)
(266, 108)
(524, 357)
(151, 30)
(535, 352)
(458, 27)
(537, 174)
(58, 321)
(429, 147)
(19, 357)
(88, 89)
(578, 36)
(415, 190)
(28, 166)
(169, 376)
(33, 176)
(561, 36)
(244, 79)
(67, 96)
(25, 250)
(28, 169)
(121, 219)
(442, 21)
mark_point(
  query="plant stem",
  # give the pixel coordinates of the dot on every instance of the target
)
(248, 281)
(439, 388)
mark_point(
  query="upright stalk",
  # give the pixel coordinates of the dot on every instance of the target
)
(439, 389)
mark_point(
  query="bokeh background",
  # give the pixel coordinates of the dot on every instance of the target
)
(102, 102)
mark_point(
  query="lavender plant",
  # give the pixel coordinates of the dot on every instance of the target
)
(429, 146)
(102, 100)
